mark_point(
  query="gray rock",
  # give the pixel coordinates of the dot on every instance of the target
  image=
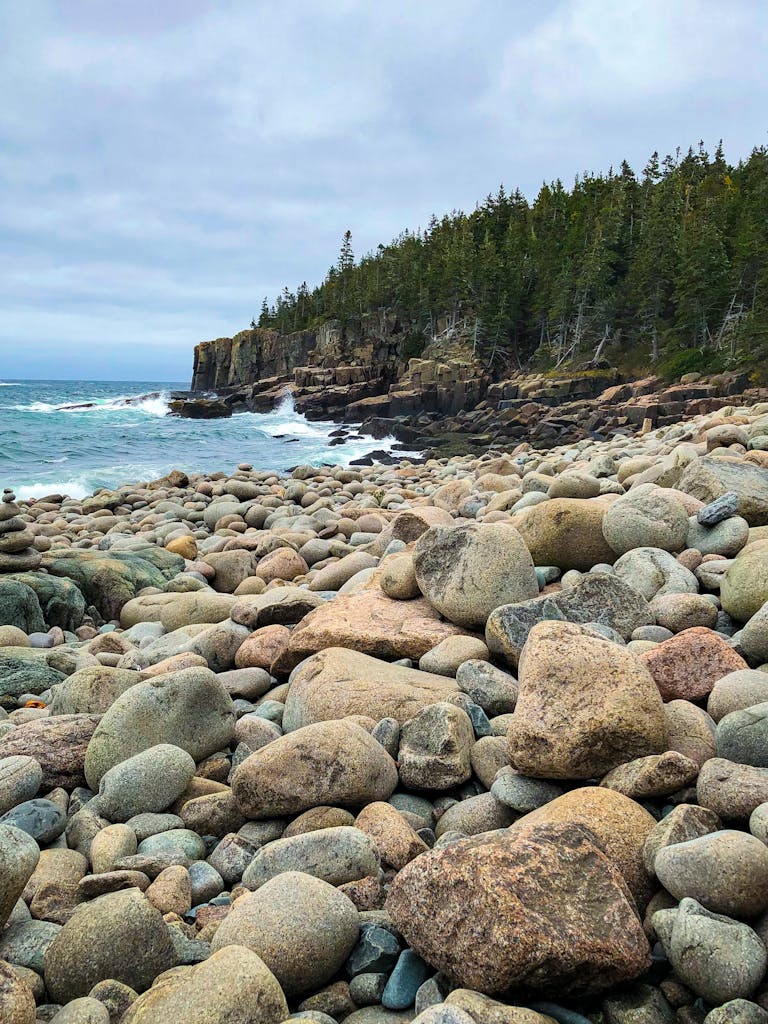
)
(737, 1011)
(146, 824)
(409, 975)
(26, 944)
(336, 855)
(726, 872)
(42, 819)
(521, 793)
(646, 517)
(653, 573)
(189, 709)
(232, 856)
(19, 854)
(482, 813)
(82, 1011)
(91, 690)
(719, 958)
(737, 691)
(147, 782)
(640, 1004)
(302, 928)
(119, 935)
(495, 691)
(206, 882)
(596, 598)
(742, 736)
(467, 571)
(721, 508)
(20, 779)
(684, 822)
(727, 537)
(754, 636)
(435, 748)
(334, 762)
(710, 477)
(182, 840)
(376, 952)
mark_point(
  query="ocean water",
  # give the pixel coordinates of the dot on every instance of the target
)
(46, 446)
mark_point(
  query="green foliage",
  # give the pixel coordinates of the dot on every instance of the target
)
(676, 259)
(691, 360)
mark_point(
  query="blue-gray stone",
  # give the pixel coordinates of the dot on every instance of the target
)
(479, 721)
(42, 819)
(409, 975)
(206, 882)
(721, 508)
(376, 952)
(26, 944)
(272, 710)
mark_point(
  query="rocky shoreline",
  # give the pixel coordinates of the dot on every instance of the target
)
(479, 739)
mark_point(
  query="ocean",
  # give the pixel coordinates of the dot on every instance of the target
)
(47, 447)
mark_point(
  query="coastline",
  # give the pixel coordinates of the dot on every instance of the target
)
(319, 722)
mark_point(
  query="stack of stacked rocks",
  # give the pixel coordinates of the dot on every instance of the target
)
(17, 553)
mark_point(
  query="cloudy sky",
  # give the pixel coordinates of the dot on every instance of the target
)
(166, 163)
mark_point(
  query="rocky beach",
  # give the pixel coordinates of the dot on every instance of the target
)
(476, 739)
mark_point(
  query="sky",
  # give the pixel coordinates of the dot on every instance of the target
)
(164, 164)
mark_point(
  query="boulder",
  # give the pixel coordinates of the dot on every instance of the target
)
(566, 532)
(19, 606)
(744, 587)
(334, 762)
(91, 690)
(719, 958)
(647, 516)
(604, 692)
(466, 571)
(620, 827)
(597, 597)
(339, 682)
(61, 601)
(688, 665)
(337, 855)
(369, 622)
(233, 984)
(119, 935)
(481, 911)
(19, 854)
(725, 871)
(711, 476)
(189, 709)
(58, 744)
(435, 748)
(301, 927)
(109, 579)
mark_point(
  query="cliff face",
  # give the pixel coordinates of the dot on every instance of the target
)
(258, 354)
(249, 357)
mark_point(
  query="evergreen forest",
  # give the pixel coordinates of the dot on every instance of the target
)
(667, 269)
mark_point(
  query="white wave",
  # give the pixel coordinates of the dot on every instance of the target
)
(152, 405)
(76, 488)
(8, 384)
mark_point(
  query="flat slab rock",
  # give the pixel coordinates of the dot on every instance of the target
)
(369, 622)
(338, 682)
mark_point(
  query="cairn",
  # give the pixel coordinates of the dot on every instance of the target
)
(17, 551)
